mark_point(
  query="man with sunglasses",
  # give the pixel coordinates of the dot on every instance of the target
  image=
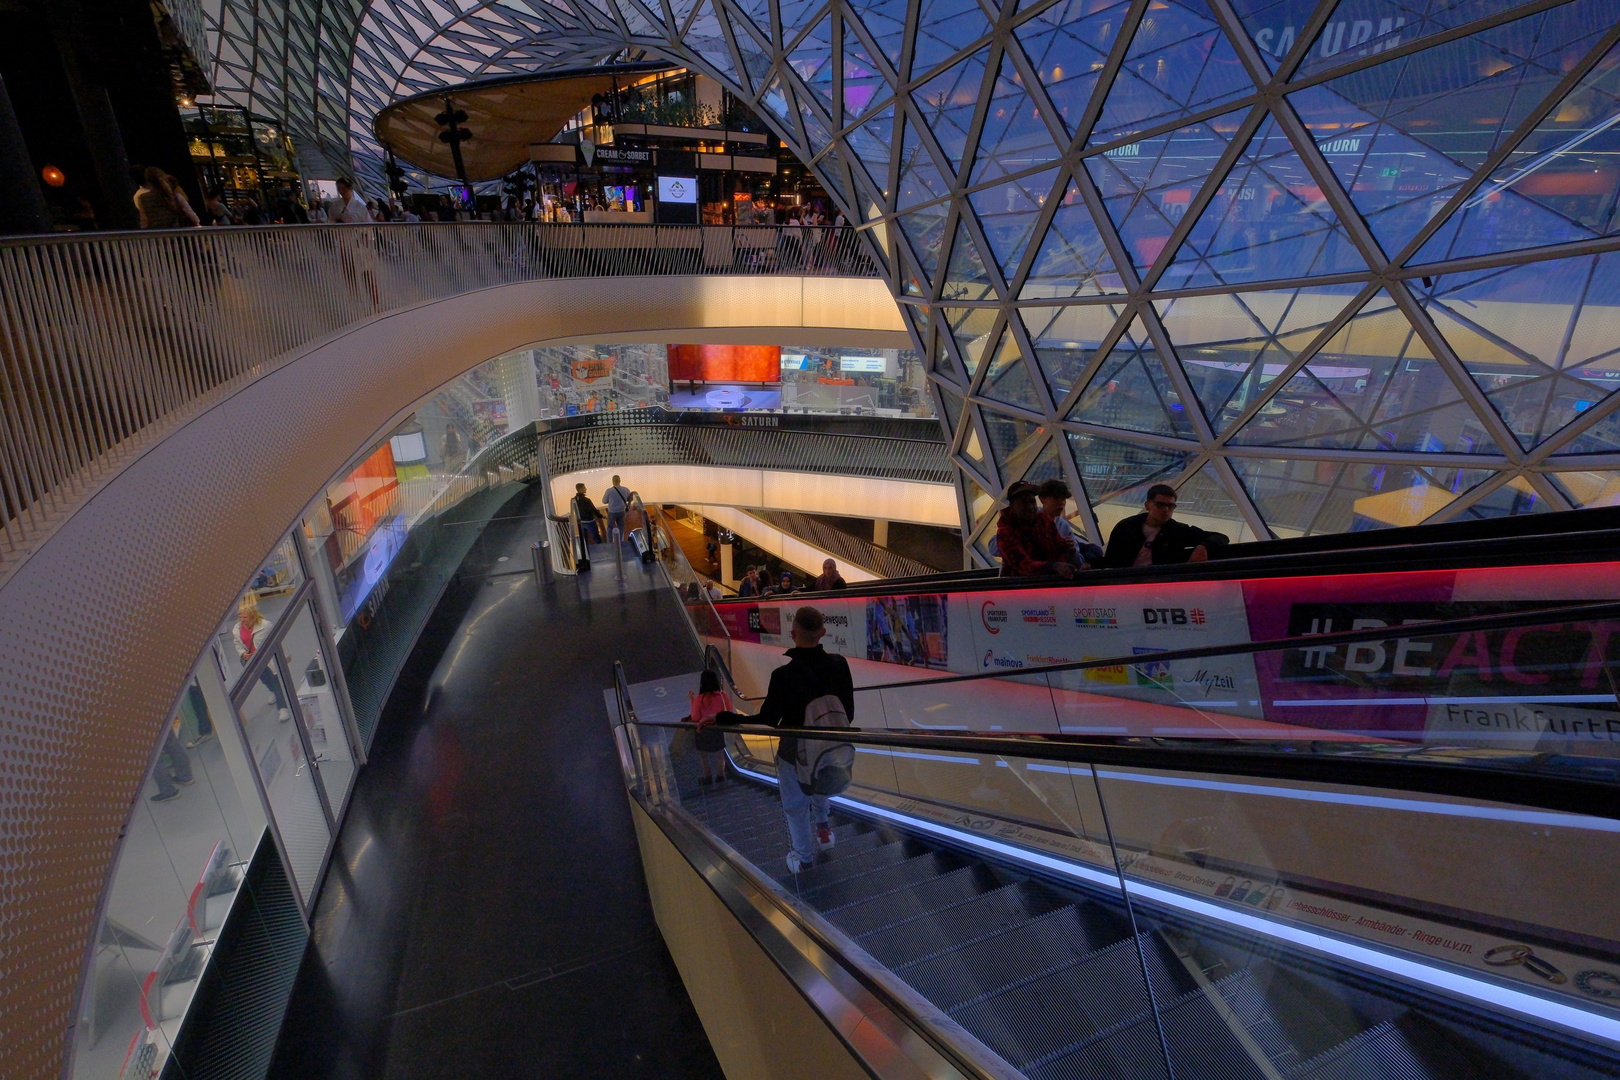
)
(1155, 538)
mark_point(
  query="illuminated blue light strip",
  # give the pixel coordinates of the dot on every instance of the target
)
(1552, 699)
(1531, 1006)
(1380, 802)
(920, 757)
(1452, 982)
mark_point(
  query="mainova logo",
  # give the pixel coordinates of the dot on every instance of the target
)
(994, 618)
(1097, 618)
(1174, 618)
(1039, 616)
(992, 660)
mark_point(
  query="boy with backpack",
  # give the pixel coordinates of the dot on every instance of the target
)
(813, 689)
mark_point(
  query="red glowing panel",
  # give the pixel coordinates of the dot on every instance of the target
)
(725, 363)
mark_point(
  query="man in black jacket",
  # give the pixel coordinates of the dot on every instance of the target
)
(810, 672)
(1154, 537)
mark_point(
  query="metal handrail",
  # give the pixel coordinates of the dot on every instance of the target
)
(109, 339)
(576, 449)
(852, 549)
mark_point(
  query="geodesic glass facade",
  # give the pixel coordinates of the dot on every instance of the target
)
(1321, 265)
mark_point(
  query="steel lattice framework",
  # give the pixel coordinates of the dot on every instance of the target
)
(1320, 264)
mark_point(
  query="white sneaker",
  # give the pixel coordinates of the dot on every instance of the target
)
(794, 863)
(824, 835)
(283, 715)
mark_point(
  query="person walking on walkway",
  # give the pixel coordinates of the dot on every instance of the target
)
(617, 499)
(173, 766)
(350, 209)
(811, 672)
(251, 630)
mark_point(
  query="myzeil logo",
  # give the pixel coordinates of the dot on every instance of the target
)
(1097, 618)
(994, 618)
(992, 660)
(1039, 616)
(1170, 617)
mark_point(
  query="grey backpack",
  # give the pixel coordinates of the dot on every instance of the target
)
(824, 766)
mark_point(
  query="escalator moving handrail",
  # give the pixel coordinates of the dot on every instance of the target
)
(1304, 761)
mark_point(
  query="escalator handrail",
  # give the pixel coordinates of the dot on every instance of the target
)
(675, 547)
(1543, 548)
(1356, 765)
(1503, 621)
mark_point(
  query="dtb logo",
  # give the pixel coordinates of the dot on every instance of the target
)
(1174, 616)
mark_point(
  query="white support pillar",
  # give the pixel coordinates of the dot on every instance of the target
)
(880, 533)
(520, 387)
(726, 576)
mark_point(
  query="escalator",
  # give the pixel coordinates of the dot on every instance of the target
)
(1226, 902)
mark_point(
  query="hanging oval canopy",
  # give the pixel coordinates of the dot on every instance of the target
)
(505, 115)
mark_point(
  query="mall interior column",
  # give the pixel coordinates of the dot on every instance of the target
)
(103, 138)
(880, 532)
(520, 387)
(727, 552)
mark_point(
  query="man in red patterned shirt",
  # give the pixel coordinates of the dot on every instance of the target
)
(1029, 543)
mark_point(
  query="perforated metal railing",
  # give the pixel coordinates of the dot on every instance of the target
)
(108, 339)
(746, 447)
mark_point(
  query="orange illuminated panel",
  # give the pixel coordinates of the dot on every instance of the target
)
(725, 363)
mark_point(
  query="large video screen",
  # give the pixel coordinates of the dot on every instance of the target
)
(725, 363)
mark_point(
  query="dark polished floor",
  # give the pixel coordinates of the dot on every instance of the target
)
(485, 914)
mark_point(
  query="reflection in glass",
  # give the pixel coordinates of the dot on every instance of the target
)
(278, 754)
(318, 707)
(260, 608)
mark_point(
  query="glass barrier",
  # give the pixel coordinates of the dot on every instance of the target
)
(697, 593)
(1089, 920)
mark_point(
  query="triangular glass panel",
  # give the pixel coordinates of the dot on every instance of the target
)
(1538, 339)
(1066, 339)
(1273, 25)
(885, 22)
(925, 229)
(756, 59)
(815, 131)
(1514, 498)
(1551, 188)
(952, 402)
(758, 14)
(1589, 488)
(980, 504)
(1117, 473)
(1202, 500)
(1232, 346)
(1048, 465)
(944, 28)
(1067, 45)
(796, 15)
(1007, 379)
(1403, 136)
(1132, 391)
(679, 10)
(1147, 186)
(863, 84)
(920, 177)
(708, 40)
(970, 328)
(777, 100)
(870, 144)
(1072, 260)
(1298, 497)
(1015, 138)
(1360, 28)
(965, 276)
(812, 60)
(1374, 386)
(921, 321)
(828, 167)
(947, 101)
(636, 20)
(911, 280)
(1268, 220)
(1179, 62)
(972, 445)
(1008, 435)
(1008, 213)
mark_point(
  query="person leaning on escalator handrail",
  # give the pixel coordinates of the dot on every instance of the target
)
(1029, 543)
(1155, 538)
(811, 672)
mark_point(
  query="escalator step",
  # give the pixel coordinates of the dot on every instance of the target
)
(1054, 940)
(953, 888)
(1202, 1043)
(1040, 1016)
(829, 898)
(840, 866)
(954, 927)
(1398, 1049)
(1132, 1052)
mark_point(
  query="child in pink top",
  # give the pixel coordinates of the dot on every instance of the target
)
(708, 702)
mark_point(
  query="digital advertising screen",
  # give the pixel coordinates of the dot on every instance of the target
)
(725, 377)
(678, 189)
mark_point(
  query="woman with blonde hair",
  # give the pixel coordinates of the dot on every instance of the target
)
(251, 630)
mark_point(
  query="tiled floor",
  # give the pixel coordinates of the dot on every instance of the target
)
(485, 914)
